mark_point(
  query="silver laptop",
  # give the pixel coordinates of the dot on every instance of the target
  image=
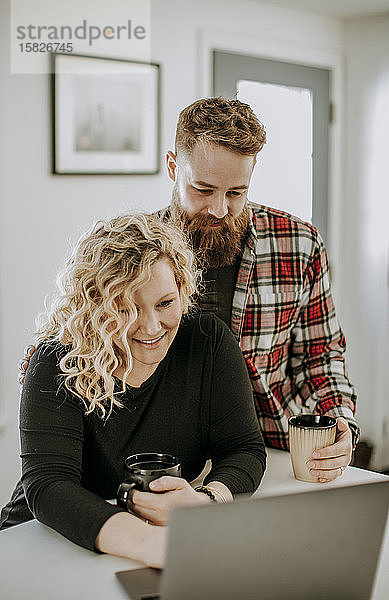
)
(310, 545)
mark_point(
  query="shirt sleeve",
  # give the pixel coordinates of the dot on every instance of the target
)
(318, 348)
(52, 436)
(236, 445)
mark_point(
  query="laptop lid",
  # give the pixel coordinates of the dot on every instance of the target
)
(320, 544)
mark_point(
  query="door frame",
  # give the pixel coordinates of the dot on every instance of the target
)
(210, 39)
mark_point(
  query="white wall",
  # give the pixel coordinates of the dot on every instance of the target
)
(42, 213)
(366, 217)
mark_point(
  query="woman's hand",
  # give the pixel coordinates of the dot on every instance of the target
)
(168, 492)
(155, 547)
(125, 535)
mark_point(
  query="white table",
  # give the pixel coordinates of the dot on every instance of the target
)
(37, 563)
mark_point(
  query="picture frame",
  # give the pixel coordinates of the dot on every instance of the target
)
(105, 116)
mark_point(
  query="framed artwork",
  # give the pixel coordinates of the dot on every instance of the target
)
(105, 116)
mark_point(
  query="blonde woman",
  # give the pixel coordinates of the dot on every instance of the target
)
(124, 366)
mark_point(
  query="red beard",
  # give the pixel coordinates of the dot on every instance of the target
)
(214, 246)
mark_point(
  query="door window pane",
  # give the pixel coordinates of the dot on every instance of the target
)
(282, 177)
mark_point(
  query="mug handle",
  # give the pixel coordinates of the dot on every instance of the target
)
(123, 495)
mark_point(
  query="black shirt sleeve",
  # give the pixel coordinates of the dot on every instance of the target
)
(52, 436)
(236, 445)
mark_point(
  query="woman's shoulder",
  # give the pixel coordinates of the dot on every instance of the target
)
(207, 337)
(50, 350)
(206, 325)
(44, 372)
(47, 356)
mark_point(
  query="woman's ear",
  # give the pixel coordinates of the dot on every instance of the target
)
(171, 165)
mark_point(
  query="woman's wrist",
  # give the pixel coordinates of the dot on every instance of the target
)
(215, 491)
(204, 492)
(220, 491)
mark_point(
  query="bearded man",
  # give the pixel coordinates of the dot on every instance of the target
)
(265, 274)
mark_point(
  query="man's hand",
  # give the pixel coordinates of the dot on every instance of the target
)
(168, 492)
(23, 364)
(330, 462)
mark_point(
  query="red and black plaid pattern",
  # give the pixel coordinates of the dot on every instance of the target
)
(283, 317)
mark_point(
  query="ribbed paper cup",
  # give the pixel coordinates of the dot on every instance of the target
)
(308, 433)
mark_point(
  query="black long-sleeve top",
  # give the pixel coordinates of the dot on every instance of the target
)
(198, 404)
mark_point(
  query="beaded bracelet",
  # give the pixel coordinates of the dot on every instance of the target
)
(202, 489)
(220, 498)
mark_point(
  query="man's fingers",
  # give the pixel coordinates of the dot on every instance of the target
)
(23, 364)
(335, 451)
(341, 424)
(324, 476)
(327, 464)
(342, 446)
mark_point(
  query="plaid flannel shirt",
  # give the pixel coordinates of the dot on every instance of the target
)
(283, 317)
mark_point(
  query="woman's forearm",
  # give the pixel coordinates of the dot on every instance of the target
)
(126, 535)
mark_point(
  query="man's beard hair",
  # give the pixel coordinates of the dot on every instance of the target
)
(214, 247)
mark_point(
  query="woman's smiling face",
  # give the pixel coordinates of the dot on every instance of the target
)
(159, 312)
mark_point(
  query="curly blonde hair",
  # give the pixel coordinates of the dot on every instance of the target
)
(107, 266)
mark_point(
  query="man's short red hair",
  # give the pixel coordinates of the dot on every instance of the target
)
(228, 123)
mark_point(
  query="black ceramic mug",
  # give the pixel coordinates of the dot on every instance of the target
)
(141, 469)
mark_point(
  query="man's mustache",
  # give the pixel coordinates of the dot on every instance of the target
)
(208, 220)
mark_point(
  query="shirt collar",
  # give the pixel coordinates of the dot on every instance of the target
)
(252, 237)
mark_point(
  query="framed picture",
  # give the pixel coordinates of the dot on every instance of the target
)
(105, 116)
